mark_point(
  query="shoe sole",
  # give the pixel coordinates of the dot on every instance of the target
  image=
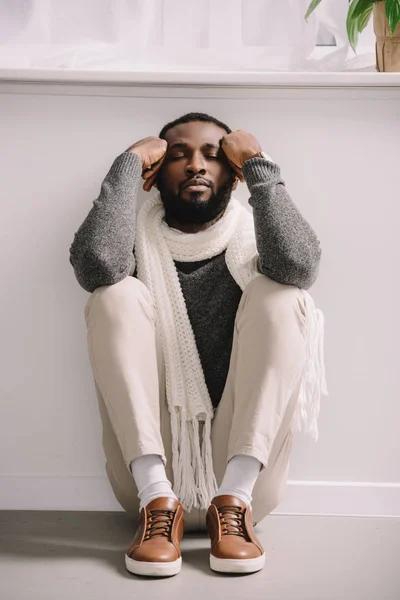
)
(153, 569)
(237, 565)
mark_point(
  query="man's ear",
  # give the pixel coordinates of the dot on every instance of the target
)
(235, 183)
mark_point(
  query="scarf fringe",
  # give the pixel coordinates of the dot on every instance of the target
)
(184, 483)
(313, 382)
(194, 480)
(206, 453)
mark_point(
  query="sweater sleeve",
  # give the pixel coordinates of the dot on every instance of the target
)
(289, 250)
(101, 252)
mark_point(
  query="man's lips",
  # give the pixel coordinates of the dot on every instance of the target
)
(196, 183)
(196, 188)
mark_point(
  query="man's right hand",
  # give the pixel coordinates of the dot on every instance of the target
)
(152, 151)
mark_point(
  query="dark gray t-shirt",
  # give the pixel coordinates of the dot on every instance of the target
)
(102, 253)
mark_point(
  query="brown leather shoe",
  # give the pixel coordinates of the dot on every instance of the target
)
(234, 545)
(155, 548)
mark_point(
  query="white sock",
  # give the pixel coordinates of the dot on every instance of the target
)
(240, 476)
(151, 479)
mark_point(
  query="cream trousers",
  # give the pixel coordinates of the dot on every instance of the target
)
(256, 410)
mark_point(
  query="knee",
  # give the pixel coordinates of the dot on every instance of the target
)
(117, 298)
(273, 299)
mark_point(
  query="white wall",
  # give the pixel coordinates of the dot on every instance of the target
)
(338, 150)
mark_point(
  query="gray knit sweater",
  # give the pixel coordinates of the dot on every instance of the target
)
(102, 254)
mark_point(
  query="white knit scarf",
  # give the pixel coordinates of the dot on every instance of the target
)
(156, 247)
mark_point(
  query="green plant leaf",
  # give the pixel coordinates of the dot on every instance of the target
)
(359, 7)
(393, 14)
(364, 17)
(357, 18)
(351, 23)
(311, 8)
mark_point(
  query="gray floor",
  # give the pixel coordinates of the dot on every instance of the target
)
(57, 555)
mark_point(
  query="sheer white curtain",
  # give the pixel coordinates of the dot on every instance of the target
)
(131, 35)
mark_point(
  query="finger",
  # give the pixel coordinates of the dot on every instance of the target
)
(239, 173)
(147, 173)
(148, 184)
(150, 172)
(237, 170)
(154, 167)
(233, 165)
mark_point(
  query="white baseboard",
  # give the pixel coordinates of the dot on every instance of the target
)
(30, 492)
(352, 498)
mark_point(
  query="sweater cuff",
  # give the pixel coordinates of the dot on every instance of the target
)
(257, 170)
(128, 163)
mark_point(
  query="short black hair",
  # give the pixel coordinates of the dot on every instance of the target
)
(189, 118)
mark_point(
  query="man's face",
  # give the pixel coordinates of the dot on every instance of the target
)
(194, 152)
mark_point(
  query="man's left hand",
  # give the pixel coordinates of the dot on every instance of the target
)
(239, 146)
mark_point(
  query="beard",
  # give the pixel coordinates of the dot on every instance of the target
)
(196, 209)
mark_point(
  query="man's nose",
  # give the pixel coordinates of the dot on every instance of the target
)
(196, 164)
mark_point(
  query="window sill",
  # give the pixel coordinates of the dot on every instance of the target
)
(267, 79)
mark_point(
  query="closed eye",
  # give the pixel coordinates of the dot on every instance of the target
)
(178, 157)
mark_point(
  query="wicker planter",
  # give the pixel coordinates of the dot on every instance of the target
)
(387, 49)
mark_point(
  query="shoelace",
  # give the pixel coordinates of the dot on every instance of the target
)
(232, 520)
(159, 523)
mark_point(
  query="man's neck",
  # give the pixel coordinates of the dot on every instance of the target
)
(190, 227)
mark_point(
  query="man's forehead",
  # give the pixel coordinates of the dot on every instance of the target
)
(195, 133)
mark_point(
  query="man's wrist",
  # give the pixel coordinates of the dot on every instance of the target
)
(261, 154)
